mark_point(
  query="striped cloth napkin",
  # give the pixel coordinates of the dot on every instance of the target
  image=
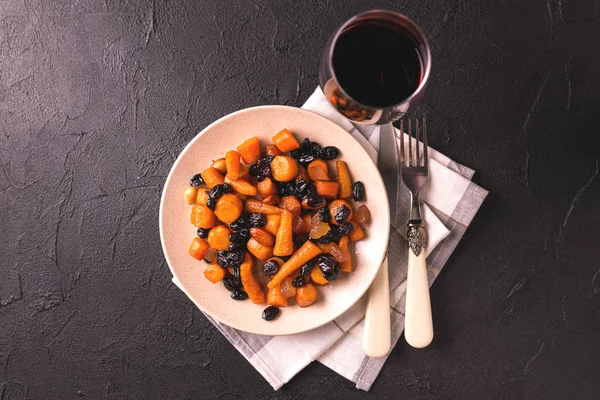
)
(451, 201)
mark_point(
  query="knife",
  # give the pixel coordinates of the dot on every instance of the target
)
(377, 332)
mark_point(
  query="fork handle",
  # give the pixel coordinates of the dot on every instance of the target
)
(418, 324)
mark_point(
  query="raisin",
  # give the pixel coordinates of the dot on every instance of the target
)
(341, 214)
(227, 188)
(332, 236)
(305, 145)
(345, 229)
(236, 246)
(256, 220)
(241, 236)
(299, 240)
(314, 200)
(304, 189)
(324, 214)
(270, 313)
(270, 267)
(233, 258)
(306, 158)
(315, 148)
(328, 266)
(286, 189)
(261, 168)
(217, 191)
(329, 153)
(202, 232)
(196, 180)
(231, 283)
(239, 295)
(240, 223)
(211, 203)
(307, 267)
(298, 281)
(358, 191)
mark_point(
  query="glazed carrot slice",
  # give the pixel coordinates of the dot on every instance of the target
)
(284, 168)
(242, 186)
(214, 273)
(346, 266)
(343, 177)
(251, 286)
(198, 248)
(285, 141)
(266, 188)
(272, 150)
(229, 208)
(257, 206)
(220, 165)
(263, 253)
(306, 295)
(212, 177)
(218, 237)
(357, 233)
(272, 225)
(318, 170)
(249, 150)
(284, 245)
(232, 163)
(333, 208)
(274, 297)
(202, 217)
(327, 189)
(305, 253)
(291, 204)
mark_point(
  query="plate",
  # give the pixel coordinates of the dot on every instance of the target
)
(176, 231)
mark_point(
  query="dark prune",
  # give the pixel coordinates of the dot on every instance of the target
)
(324, 214)
(202, 232)
(233, 258)
(341, 214)
(306, 158)
(332, 236)
(328, 266)
(329, 153)
(305, 145)
(227, 188)
(236, 246)
(270, 267)
(345, 229)
(315, 148)
(241, 236)
(239, 295)
(358, 191)
(231, 283)
(211, 203)
(298, 281)
(217, 191)
(286, 189)
(307, 267)
(299, 240)
(196, 180)
(261, 168)
(314, 200)
(304, 189)
(256, 220)
(240, 223)
(270, 313)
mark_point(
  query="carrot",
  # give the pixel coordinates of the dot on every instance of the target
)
(249, 150)
(263, 253)
(214, 273)
(245, 172)
(262, 236)
(284, 245)
(232, 163)
(202, 196)
(218, 237)
(318, 170)
(266, 188)
(357, 233)
(251, 286)
(198, 248)
(212, 177)
(333, 207)
(343, 177)
(306, 224)
(284, 168)
(285, 141)
(306, 295)
(202, 217)
(291, 204)
(272, 224)
(241, 186)
(272, 200)
(305, 253)
(229, 208)
(272, 150)
(317, 276)
(274, 297)
(190, 194)
(326, 189)
(345, 266)
(220, 165)
(256, 206)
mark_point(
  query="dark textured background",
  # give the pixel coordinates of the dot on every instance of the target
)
(97, 98)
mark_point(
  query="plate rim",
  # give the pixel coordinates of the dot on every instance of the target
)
(186, 149)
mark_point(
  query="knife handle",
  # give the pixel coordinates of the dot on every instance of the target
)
(418, 324)
(377, 332)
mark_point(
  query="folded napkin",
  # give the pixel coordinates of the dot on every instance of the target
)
(450, 203)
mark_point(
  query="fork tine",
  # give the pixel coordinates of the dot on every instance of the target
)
(425, 159)
(417, 156)
(410, 157)
(402, 143)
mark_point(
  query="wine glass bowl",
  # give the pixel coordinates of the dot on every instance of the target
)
(375, 67)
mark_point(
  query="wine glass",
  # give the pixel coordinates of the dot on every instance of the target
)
(375, 67)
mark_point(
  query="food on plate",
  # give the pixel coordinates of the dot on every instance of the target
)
(279, 216)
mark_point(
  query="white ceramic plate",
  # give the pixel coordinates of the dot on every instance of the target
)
(177, 232)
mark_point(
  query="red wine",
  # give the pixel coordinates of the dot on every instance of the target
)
(376, 65)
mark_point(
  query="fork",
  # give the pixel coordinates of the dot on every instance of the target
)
(418, 325)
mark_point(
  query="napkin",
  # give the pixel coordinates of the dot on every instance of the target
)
(450, 200)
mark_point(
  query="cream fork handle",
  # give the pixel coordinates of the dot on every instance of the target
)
(418, 324)
(377, 332)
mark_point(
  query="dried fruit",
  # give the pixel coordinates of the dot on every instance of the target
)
(299, 240)
(324, 215)
(261, 169)
(270, 267)
(257, 220)
(341, 214)
(202, 232)
(345, 229)
(286, 188)
(319, 230)
(196, 180)
(270, 313)
(211, 203)
(240, 223)
(362, 215)
(228, 259)
(210, 256)
(241, 236)
(328, 266)
(287, 289)
(231, 283)
(263, 237)
(299, 281)
(358, 191)
(307, 267)
(329, 153)
(239, 295)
